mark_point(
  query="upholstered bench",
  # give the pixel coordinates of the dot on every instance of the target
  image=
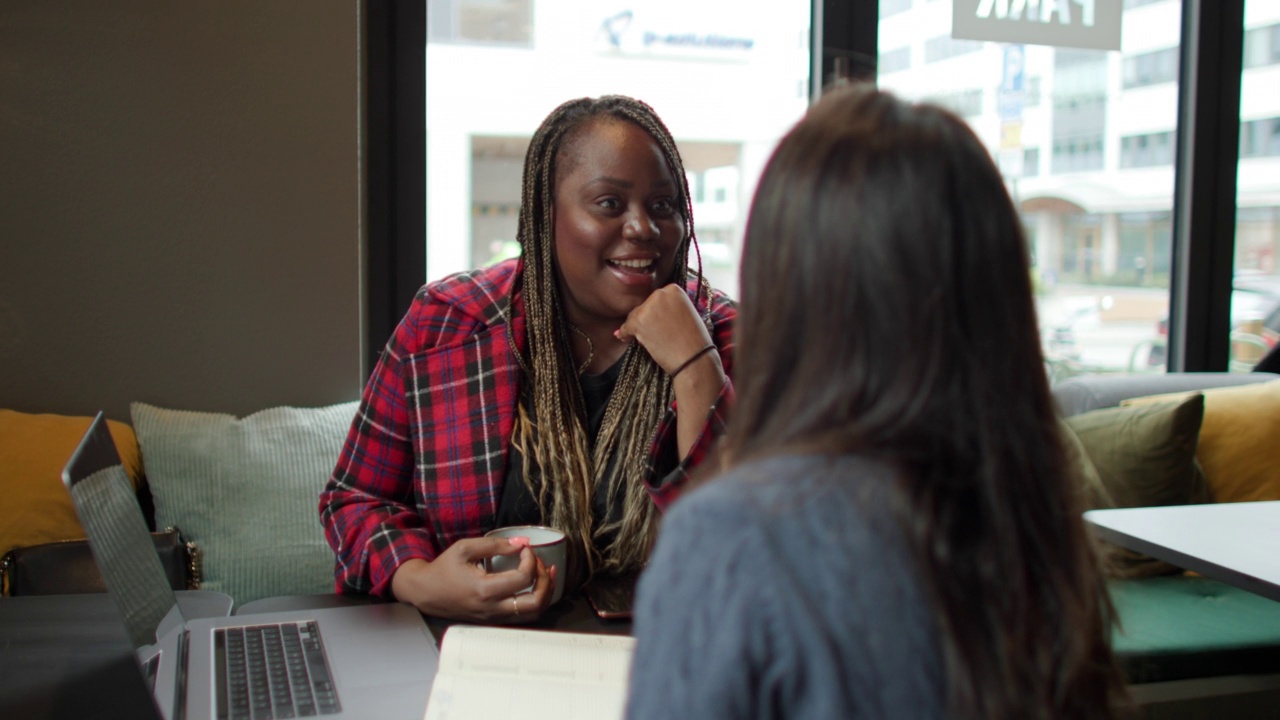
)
(1176, 627)
(243, 492)
(1190, 644)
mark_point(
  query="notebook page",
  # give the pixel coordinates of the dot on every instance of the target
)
(509, 673)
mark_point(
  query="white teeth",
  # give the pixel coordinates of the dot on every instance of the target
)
(633, 263)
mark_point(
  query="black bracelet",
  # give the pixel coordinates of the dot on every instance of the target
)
(689, 362)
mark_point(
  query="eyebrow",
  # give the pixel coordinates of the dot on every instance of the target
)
(619, 182)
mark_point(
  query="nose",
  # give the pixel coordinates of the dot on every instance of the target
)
(640, 226)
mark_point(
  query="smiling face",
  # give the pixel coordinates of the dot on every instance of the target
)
(618, 222)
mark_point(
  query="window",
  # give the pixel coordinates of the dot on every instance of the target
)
(1031, 162)
(1152, 149)
(1262, 46)
(1031, 95)
(965, 103)
(1146, 242)
(894, 60)
(1077, 154)
(486, 22)
(1260, 138)
(893, 7)
(1078, 125)
(942, 48)
(1151, 68)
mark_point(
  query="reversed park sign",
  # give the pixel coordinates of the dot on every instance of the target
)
(1092, 24)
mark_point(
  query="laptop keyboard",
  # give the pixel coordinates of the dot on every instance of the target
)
(273, 671)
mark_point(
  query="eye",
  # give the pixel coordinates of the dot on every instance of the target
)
(664, 206)
(609, 203)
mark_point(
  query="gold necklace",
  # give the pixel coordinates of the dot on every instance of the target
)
(591, 347)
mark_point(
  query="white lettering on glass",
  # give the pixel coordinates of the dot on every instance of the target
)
(1086, 11)
(1005, 10)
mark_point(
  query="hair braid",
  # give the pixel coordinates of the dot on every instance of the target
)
(555, 439)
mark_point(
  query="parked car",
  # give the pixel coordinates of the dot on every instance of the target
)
(1255, 324)
(1270, 330)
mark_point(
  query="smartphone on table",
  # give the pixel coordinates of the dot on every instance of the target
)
(611, 596)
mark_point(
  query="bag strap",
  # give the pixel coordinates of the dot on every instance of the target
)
(6, 566)
(194, 559)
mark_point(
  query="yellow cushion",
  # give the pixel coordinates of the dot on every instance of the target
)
(1239, 440)
(35, 507)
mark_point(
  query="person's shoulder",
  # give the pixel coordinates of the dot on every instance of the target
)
(789, 485)
(457, 307)
(477, 290)
(754, 487)
(482, 294)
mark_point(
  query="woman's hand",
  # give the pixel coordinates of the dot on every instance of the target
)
(456, 586)
(668, 327)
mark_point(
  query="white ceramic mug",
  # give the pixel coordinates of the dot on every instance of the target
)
(547, 543)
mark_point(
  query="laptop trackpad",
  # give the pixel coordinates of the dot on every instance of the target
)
(385, 657)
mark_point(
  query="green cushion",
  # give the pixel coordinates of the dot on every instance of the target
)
(1171, 628)
(245, 491)
(1145, 456)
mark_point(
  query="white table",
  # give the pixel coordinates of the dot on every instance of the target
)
(1237, 543)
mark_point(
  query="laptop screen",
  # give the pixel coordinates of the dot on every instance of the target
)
(117, 532)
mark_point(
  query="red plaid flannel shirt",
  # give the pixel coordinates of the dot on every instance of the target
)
(425, 459)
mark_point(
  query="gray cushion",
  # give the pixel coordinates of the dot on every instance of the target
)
(1090, 392)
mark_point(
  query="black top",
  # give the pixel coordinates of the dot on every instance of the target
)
(517, 506)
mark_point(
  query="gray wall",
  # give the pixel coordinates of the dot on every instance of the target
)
(180, 204)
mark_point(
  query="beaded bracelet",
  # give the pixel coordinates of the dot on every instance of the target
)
(689, 362)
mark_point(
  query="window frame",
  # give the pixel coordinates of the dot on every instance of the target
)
(1206, 159)
(394, 251)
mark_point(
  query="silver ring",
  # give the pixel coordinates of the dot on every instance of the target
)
(515, 605)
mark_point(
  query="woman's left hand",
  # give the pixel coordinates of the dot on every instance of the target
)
(667, 326)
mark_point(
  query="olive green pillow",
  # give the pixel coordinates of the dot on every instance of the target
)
(1145, 456)
(1237, 440)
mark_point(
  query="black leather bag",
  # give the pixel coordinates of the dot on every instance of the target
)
(67, 567)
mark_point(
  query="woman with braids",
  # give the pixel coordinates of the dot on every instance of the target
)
(896, 533)
(574, 386)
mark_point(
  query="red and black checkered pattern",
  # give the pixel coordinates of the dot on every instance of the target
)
(425, 459)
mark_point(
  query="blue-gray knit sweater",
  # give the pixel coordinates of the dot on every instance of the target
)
(784, 590)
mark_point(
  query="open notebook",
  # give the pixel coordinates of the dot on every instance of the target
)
(369, 660)
(500, 673)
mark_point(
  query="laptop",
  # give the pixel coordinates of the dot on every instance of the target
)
(363, 660)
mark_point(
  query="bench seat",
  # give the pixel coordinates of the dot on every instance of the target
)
(1186, 626)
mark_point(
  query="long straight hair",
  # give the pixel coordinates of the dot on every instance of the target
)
(886, 310)
(555, 440)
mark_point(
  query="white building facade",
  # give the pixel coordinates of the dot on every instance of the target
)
(1086, 137)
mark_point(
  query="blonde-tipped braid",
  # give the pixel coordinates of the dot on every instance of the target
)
(554, 441)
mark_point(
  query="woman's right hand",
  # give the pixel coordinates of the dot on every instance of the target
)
(456, 586)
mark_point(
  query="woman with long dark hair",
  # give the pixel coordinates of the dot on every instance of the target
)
(896, 534)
